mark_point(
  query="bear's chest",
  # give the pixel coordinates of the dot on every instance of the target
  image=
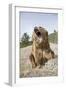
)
(38, 53)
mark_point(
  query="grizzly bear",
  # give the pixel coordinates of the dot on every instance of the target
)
(41, 51)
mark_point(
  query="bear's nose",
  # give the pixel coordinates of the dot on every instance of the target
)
(36, 29)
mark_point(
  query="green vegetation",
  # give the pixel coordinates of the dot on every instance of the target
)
(53, 37)
(22, 45)
(25, 40)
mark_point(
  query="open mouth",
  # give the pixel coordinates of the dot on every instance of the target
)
(37, 32)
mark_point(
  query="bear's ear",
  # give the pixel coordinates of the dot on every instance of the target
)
(35, 29)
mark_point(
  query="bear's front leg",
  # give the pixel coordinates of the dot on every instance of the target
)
(32, 59)
(38, 58)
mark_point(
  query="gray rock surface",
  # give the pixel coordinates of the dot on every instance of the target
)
(49, 69)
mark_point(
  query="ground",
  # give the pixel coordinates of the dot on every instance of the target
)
(49, 69)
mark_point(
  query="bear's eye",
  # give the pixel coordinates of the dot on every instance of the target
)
(38, 34)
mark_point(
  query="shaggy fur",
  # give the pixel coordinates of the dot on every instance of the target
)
(41, 51)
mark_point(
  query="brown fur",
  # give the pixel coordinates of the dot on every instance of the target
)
(41, 51)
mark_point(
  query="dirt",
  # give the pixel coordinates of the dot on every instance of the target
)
(49, 69)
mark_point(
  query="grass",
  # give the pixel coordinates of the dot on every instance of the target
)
(53, 37)
(22, 45)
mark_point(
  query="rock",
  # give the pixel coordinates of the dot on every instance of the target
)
(49, 69)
